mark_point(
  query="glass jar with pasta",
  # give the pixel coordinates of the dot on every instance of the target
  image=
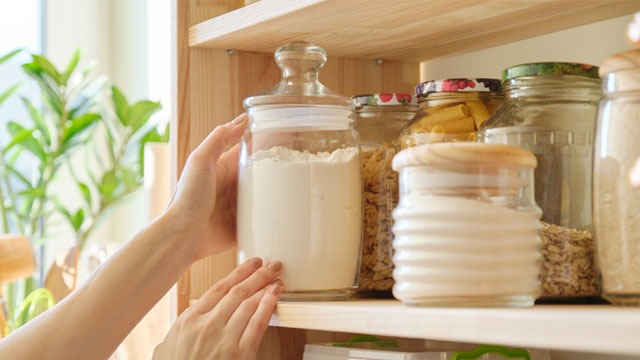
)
(451, 110)
(379, 119)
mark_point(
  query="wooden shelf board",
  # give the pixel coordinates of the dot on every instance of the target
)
(408, 30)
(585, 328)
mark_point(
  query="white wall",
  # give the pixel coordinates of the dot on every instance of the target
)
(589, 44)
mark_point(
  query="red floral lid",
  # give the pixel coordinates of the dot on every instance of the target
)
(457, 85)
(384, 99)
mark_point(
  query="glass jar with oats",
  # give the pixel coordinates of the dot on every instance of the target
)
(379, 119)
(451, 110)
(550, 109)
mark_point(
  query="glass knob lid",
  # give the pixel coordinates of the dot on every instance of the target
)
(299, 63)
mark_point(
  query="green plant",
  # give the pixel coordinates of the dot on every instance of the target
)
(82, 133)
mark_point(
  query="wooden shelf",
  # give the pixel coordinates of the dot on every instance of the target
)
(585, 328)
(405, 30)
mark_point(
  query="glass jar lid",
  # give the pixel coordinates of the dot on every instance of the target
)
(458, 85)
(299, 86)
(384, 99)
(550, 69)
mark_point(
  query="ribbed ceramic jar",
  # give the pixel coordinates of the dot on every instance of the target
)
(466, 226)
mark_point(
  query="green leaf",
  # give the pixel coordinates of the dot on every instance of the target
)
(140, 113)
(29, 142)
(47, 68)
(18, 138)
(77, 219)
(121, 105)
(37, 302)
(9, 55)
(86, 192)
(71, 66)
(130, 178)
(76, 126)
(38, 120)
(53, 97)
(108, 185)
(7, 93)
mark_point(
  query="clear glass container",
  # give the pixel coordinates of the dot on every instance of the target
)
(379, 119)
(300, 182)
(466, 226)
(451, 110)
(550, 109)
(616, 180)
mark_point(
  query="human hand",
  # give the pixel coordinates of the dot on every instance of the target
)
(230, 319)
(203, 207)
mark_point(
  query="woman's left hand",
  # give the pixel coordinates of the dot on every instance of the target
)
(230, 319)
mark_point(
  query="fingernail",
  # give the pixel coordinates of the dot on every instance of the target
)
(238, 120)
(255, 262)
(275, 266)
(276, 287)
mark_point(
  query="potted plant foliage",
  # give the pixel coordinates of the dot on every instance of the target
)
(80, 134)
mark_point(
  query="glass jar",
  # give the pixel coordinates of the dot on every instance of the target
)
(300, 182)
(379, 119)
(550, 109)
(466, 226)
(451, 110)
(616, 175)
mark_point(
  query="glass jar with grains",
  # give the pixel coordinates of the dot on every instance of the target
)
(550, 109)
(300, 182)
(379, 119)
(451, 110)
(617, 179)
(466, 226)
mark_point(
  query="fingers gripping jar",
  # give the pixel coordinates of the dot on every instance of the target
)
(466, 227)
(379, 119)
(299, 181)
(451, 110)
(550, 109)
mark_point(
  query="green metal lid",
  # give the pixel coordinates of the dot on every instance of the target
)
(550, 69)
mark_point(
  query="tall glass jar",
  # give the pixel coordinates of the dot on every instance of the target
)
(617, 179)
(550, 109)
(379, 119)
(466, 226)
(451, 110)
(299, 181)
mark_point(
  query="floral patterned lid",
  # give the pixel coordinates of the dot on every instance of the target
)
(384, 99)
(458, 85)
(550, 69)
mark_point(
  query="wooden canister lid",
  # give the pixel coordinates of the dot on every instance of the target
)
(464, 153)
(626, 60)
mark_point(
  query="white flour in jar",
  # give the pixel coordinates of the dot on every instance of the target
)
(305, 210)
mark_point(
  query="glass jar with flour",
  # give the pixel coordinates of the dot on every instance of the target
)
(299, 181)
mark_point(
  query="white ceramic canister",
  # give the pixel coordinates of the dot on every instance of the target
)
(466, 226)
